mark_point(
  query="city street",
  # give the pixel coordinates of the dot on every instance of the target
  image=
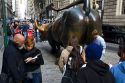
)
(57, 21)
(50, 71)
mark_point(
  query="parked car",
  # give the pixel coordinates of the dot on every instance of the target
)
(112, 33)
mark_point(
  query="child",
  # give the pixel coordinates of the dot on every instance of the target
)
(33, 59)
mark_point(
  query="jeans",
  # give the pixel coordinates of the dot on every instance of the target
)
(37, 78)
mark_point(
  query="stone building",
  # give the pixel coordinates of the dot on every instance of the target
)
(30, 11)
(114, 12)
(8, 4)
(50, 14)
(0, 8)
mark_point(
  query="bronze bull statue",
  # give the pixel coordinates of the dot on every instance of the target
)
(78, 21)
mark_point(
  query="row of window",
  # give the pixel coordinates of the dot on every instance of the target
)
(120, 6)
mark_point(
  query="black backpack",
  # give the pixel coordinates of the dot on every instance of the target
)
(69, 75)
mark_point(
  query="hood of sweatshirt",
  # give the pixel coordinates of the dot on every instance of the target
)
(99, 67)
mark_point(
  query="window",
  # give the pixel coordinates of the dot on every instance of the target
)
(123, 7)
(119, 7)
(97, 2)
(100, 4)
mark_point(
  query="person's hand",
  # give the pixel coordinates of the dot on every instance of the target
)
(33, 61)
(28, 59)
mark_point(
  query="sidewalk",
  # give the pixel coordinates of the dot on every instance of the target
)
(50, 71)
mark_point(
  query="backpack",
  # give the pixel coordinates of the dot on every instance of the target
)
(69, 75)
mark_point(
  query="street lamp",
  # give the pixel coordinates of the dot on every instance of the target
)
(4, 22)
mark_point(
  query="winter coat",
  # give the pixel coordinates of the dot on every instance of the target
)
(39, 61)
(119, 72)
(64, 56)
(95, 72)
(13, 64)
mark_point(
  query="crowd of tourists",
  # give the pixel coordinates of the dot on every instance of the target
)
(85, 64)
(21, 59)
(78, 64)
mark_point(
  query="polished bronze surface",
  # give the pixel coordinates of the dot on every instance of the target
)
(75, 21)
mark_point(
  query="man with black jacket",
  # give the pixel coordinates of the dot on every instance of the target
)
(13, 64)
(96, 71)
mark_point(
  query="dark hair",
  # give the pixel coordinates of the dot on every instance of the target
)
(76, 59)
(121, 49)
(95, 32)
(73, 41)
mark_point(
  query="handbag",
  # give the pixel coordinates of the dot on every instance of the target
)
(68, 76)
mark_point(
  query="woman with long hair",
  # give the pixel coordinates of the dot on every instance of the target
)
(74, 63)
(73, 42)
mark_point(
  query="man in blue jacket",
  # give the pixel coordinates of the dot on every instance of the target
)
(119, 69)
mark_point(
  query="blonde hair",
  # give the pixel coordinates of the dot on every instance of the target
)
(29, 42)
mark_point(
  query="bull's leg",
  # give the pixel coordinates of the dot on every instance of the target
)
(54, 48)
(52, 44)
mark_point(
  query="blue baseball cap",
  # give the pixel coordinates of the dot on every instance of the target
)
(93, 51)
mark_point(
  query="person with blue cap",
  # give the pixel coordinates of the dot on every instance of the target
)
(100, 41)
(96, 70)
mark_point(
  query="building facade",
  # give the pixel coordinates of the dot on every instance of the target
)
(0, 8)
(16, 8)
(8, 5)
(30, 11)
(114, 12)
(19, 8)
(50, 14)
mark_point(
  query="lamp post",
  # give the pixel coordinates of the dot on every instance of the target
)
(4, 22)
